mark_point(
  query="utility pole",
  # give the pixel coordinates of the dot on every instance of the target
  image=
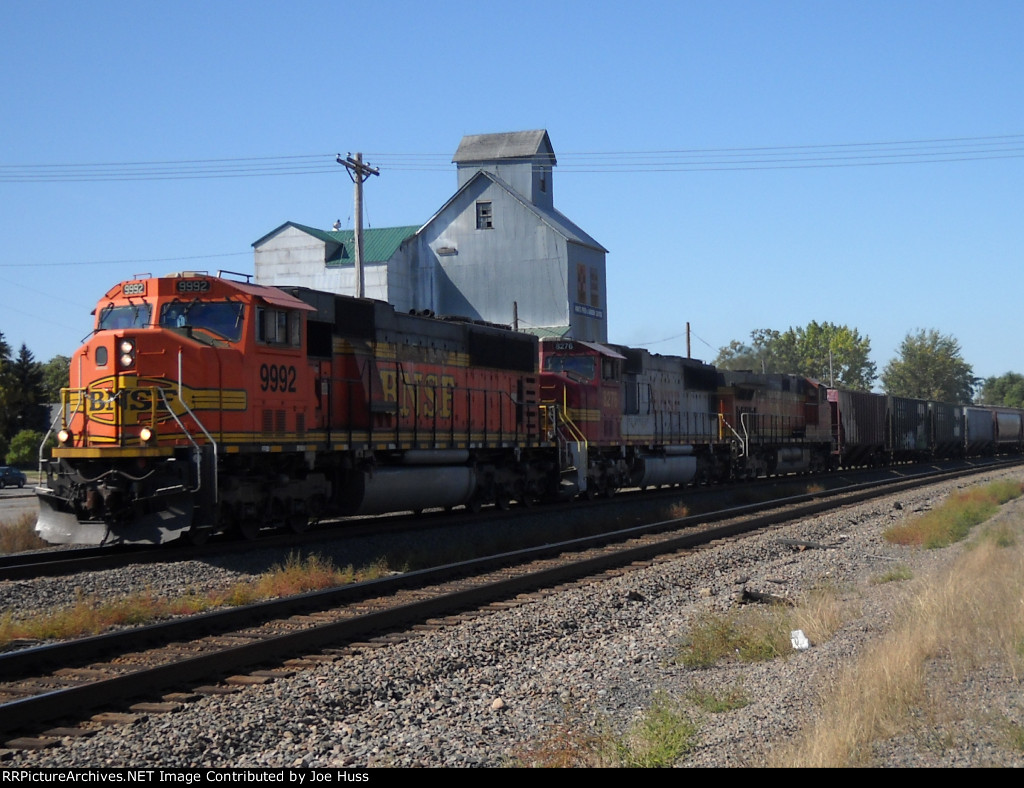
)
(358, 172)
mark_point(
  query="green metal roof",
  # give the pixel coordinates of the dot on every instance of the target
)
(379, 243)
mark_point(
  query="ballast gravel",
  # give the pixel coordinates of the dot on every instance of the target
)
(510, 686)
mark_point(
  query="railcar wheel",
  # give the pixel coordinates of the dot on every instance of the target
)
(298, 523)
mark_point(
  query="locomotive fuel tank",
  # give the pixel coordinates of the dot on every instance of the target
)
(397, 489)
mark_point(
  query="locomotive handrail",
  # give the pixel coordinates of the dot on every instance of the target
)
(59, 416)
(196, 446)
(722, 420)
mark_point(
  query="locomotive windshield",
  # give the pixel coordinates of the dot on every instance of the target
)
(577, 367)
(131, 316)
(221, 318)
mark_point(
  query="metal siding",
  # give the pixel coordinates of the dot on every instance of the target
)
(979, 430)
(861, 423)
(669, 412)
(535, 280)
(947, 428)
(1008, 428)
(908, 425)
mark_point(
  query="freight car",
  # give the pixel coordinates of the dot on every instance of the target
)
(204, 404)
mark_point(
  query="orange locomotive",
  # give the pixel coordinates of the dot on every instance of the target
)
(201, 404)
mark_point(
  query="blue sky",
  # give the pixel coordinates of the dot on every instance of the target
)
(792, 199)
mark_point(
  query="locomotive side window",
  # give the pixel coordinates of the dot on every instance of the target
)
(278, 327)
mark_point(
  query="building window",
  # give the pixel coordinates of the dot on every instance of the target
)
(484, 216)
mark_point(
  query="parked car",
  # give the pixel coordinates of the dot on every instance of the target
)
(11, 477)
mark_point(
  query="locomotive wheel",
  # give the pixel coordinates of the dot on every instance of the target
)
(501, 499)
(298, 523)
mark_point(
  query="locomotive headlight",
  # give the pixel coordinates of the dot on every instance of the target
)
(126, 349)
(146, 434)
(63, 436)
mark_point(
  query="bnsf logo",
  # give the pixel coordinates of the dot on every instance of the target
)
(193, 286)
(131, 400)
(137, 398)
(134, 288)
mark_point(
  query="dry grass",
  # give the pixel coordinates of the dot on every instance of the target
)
(657, 739)
(679, 511)
(570, 744)
(734, 697)
(90, 615)
(963, 616)
(758, 633)
(19, 536)
(894, 574)
(953, 520)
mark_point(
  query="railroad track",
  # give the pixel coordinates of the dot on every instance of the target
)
(62, 562)
(48, 683)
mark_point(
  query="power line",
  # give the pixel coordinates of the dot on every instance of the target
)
(849, 154)
(133, 260)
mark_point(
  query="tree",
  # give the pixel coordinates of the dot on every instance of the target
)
(6, 386)
(827, 352)
(25, 410)
(56, 376)
(759, 355)
(24, 449)
(929, 366)
(1006, 390)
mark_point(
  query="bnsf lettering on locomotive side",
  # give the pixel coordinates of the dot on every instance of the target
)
(139, 400)
(430, 394)
(131, 400)
(142, 399)
(99, 400)
(193, 286)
